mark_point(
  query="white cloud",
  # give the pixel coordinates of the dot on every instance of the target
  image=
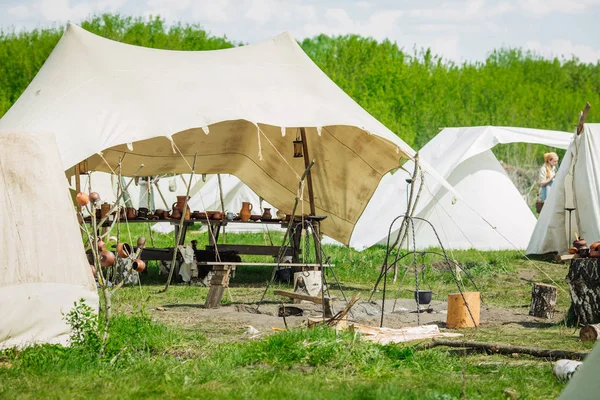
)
(261, 10)
(563, 48)
(213, 11)
(61, 10)
(19, 11)
(170, 10)
(362, 4)
(470, 10)
(542, 7)
(306, 11)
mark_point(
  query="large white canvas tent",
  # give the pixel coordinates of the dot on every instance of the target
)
(576, 185)
(43, 270)
(584, 385)
(496, 215)
(239, 110)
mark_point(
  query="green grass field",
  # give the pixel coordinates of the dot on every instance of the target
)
(145, 358)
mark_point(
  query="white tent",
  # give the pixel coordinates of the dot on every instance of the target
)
(495, 217)
(238, 109)
(584, 385)
(576, 185)
(43, 270)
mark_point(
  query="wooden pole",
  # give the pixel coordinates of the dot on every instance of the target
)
(582, 118)
(222, 205)
(311, 196)
(78, 184)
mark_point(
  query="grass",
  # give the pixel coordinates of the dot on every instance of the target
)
(146, 358)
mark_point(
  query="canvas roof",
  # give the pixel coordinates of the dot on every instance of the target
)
(239, 109)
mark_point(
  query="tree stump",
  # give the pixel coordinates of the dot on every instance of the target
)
(543, 300)
(589, 333)
(584, 286)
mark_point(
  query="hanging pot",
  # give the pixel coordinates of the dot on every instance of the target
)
(82, 199)
(141, 242)
(131, 213)
(94, 197)
(423, 296)
(107, 258)
(124, 250)
(138, 265)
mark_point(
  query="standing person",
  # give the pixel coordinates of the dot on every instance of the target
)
(546, 177)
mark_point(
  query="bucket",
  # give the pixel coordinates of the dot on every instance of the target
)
(458, 314)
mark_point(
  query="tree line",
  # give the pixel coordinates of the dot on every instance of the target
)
(414, 94)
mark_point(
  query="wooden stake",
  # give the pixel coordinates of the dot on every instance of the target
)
(582, 118)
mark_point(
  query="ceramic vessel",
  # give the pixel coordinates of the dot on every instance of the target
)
(266, 214)
(131, 213)
(124, 250)
(141, 242)
(82, 199)
(217, 216)
(138, 265)
(107, 258)
(245, 212)
(94, 197)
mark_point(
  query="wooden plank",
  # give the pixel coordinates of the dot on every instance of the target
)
(266, 264)
(257, 250)
(299, 296)
(217, 287)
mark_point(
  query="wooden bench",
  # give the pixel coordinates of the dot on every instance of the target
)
(222, 270)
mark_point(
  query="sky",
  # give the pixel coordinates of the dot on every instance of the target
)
(460, 30)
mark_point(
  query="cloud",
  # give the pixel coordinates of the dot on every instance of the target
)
(542, 7)
(563, 48)
(19, 11)
(213, 11)
(470, 10)
(170, 10)
(261, 10)
(61, 10)
(362, 4)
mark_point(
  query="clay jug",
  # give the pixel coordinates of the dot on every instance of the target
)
(266, 214)
(245, 212)
(181, 202)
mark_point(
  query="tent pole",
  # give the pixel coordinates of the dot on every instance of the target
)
(582, 118)
(222, 206)
(78, 184)
(311, 196)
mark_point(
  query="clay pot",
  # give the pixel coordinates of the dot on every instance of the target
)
(124, 250)
(131, 213)
(245, 212)
(82, 199)
(107, 258)
(266, 214)
(101, 245)
(94, 197)
(176, 214)
(138, 265)
(141, 242)
(583, 251)
(255, 217)
(595, 246)
(580, 243)
(217, 216)
(181, 202)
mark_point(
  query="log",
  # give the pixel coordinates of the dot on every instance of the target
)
(543, 300)
(298, 296)
(584, 286)
(500, 348)
(590, 333)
